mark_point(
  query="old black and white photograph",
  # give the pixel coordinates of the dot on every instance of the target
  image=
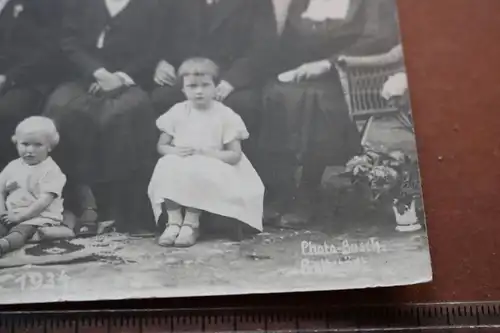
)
(172, 148)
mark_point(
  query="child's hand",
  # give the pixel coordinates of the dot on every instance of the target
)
(184, 151)
(204, 152)
(10, 218)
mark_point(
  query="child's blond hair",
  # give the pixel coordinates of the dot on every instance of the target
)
(199, 66)
(38, 124)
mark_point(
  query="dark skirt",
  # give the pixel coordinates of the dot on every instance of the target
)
(15, 105)
(104, 138)
(309, 119)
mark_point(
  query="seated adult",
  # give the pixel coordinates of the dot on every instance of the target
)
(28, 49)
(106, 121)
(306, 120)
(236, 34)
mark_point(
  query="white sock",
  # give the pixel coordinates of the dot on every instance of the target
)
(192, 219)
(174, 217)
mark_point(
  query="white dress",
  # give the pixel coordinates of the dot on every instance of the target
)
(202, 182)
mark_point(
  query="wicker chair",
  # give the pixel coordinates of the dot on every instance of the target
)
(363, 79)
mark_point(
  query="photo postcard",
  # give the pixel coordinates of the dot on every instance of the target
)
(163, 148)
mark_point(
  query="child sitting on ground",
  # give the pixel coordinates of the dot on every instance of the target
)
(203, 167)
(30, 186)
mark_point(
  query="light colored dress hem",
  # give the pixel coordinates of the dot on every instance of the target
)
(251, 217)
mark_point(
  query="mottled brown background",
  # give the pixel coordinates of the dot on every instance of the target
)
(453, 59)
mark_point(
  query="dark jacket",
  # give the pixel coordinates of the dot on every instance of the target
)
(129, 41)
(237, 34)
(381, 29)
(370, 27)
(28, 41)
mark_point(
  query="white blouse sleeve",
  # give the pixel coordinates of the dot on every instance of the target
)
(234, 128)
(167, 122)
(53, 182)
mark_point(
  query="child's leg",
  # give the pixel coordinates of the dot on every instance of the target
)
(16, 238)
(3, 230)
(174, 223)
(190, 228)
(192, 217)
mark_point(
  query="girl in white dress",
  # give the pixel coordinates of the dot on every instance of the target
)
(203, 167)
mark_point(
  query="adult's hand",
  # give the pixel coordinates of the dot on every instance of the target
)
(342, 60)
(312, 70)
(223, 90)
(108, 81)
(165, 74)
(10, 218)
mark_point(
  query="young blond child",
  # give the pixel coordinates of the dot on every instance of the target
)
(30, 186)
(203, 167)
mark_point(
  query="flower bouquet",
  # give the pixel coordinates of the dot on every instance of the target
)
(391, 178)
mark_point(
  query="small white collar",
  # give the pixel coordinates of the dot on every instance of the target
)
(321, 10)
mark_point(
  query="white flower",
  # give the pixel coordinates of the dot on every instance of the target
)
(398, 156)
(395, 86)
(359, 169)
(355, 161)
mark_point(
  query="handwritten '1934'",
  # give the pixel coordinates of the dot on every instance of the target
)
(35, 280)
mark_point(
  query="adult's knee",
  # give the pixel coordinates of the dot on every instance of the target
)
(131, 106)
(246, 103)
(59, 106)
(18, 104)
(163, 98)
(276, 92)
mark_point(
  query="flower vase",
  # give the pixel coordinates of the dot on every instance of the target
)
(408, 221)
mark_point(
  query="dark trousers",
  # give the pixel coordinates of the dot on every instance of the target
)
(108, 143)
(126, 201)
(305, 124)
